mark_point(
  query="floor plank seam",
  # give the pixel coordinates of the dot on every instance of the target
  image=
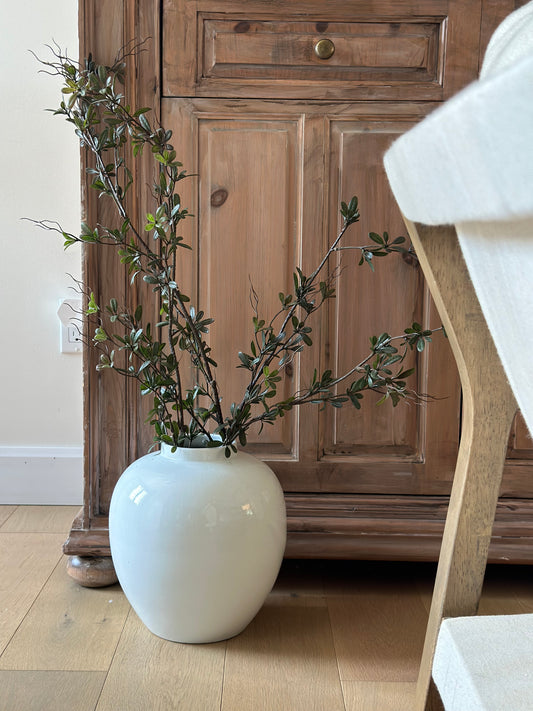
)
(223, 676)
(7, 519)
(61, 556)
(106, 671)
(336, 653)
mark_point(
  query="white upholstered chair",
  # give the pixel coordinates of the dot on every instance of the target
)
(463, 179)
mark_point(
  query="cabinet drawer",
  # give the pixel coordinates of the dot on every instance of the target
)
(420, 50)
(363, 52)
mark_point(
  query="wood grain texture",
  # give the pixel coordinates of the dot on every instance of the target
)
(487, 416)
(40, 519)
(109, 446)
(370, 303)
(290, 648)
(151, 673)
(378, 637)
(241, 238)
(383, 50)
(249, 241)
(364, 52)
(142, 23)
(26, 562)
(374, 695)
(68, 627)
(102, 34)
(394, 527)
(300, 584)
(368, 527)
(268, 668)
(44, 690)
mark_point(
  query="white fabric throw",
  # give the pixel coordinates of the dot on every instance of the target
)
(470, 163)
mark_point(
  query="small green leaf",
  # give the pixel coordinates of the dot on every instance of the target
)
(100, 335)
(92, 306)
(245, 360)
(144, 122)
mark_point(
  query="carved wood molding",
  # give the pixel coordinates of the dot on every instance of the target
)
(364, 527)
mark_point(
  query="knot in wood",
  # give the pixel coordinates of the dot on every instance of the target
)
(242, 26)
(219, 197)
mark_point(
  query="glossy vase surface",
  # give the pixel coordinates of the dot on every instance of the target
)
(197, 540)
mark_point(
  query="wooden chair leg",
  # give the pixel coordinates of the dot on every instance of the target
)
(488, 410)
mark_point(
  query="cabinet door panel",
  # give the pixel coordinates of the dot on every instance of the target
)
(410, 448)
(264, 168)
(247, 239)
(368, 303)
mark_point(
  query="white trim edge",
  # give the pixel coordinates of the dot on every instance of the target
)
(41, 475)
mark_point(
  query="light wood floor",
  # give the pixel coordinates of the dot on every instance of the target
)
(332, 636)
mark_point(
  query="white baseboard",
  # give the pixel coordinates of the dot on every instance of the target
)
(41, 475)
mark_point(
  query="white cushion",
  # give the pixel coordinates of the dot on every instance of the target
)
(485, 663)
(471, 159)
(510, 43)
(470, 163)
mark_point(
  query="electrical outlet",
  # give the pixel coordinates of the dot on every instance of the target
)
(69, 313)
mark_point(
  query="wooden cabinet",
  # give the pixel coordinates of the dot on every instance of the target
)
(277, 136)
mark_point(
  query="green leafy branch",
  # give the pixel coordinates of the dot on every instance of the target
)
(115, 135)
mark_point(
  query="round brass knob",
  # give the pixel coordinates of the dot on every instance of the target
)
(324, 49)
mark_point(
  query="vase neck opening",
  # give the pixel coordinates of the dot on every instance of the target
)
(198, 453)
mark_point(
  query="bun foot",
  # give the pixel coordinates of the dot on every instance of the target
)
(91, 572)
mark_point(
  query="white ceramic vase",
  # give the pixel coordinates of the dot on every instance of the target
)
(197, 540)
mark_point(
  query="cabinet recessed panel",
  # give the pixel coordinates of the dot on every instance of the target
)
(368, 302)
(355, 51)
(247, 245)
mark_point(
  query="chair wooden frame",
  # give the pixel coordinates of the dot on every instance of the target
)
(489, 407)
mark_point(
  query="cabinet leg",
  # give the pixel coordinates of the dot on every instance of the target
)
(91, 572)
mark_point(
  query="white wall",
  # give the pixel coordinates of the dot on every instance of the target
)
(41, 389)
